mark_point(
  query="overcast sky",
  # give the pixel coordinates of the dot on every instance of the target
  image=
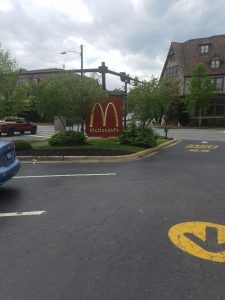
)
(131, 36)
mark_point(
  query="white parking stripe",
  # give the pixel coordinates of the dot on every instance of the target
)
(64, 175)
(25, 213)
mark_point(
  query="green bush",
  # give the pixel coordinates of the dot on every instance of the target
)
(146, 138)
(69, 138)
(139, 136)
(75, 138)
(129, 135)
(58, 139)
(22, 145)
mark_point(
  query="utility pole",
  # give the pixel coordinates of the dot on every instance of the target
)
(125, 104)
(82, 74)
(81, 59)
(82, 83)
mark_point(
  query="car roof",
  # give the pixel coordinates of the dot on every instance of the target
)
(13, 118)
(5, 143)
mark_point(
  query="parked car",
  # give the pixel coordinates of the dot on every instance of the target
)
(9, 164)
(10, 125)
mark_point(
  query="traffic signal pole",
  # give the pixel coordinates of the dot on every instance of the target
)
(103, 70)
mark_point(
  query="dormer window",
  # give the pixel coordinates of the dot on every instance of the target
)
(204, 48)
(215, 62)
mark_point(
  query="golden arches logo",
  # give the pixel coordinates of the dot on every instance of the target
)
(104, 114)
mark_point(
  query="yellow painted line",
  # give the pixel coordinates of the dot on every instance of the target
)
(199, 150)
(177, 235)
(192, 146)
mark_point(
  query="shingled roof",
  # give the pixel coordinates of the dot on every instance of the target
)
(188, 54)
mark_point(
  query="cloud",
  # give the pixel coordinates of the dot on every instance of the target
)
(132, 36)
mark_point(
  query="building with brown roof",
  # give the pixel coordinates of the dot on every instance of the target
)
(37, 75)
(182, 59)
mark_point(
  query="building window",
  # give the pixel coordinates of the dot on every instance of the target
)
(218, 83)
(204, 49)
(215, 62)
(173, 71)
(219, 108)
(172, 57)
(36, 80)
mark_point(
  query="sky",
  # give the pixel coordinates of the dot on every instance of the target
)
(131, 36)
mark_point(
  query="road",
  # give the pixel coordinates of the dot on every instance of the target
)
(217, 134)
(106, 231)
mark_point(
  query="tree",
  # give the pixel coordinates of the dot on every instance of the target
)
(201, 91)
(67, 95)
(8, 79)
(18, 101)
(169, 90)
(143, 100)
(152, 99)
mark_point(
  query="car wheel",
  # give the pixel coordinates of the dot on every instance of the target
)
(33, 130)
(10, 132)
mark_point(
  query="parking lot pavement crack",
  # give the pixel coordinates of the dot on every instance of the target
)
(71, 233)
(104, 221)
(113, 213)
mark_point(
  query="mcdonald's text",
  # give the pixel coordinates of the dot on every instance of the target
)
(106, 130)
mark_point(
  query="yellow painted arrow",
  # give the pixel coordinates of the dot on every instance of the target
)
(188, 237)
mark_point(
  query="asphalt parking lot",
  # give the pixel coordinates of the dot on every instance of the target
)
(147, 229)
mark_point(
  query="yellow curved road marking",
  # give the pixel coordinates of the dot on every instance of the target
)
(177, 236)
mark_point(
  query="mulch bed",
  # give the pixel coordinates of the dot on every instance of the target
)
(71, 152)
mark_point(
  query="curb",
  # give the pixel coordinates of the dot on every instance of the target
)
(97, 159)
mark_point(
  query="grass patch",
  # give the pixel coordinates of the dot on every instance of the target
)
(161, 141)
(93, 147)
(113, 143)
(103, 143)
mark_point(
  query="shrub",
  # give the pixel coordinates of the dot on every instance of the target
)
(146, 138)
(129, 135)
(69, 138)
(75, 138)
(22, 145)
(58, 139)
(139, 136)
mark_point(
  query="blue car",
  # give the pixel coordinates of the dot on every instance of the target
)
(9, 164)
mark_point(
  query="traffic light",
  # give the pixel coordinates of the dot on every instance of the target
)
(122, 76)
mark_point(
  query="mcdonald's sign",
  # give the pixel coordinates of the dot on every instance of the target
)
(105, 118)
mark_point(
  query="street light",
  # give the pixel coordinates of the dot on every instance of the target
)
(81, 57)
(81, 72)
